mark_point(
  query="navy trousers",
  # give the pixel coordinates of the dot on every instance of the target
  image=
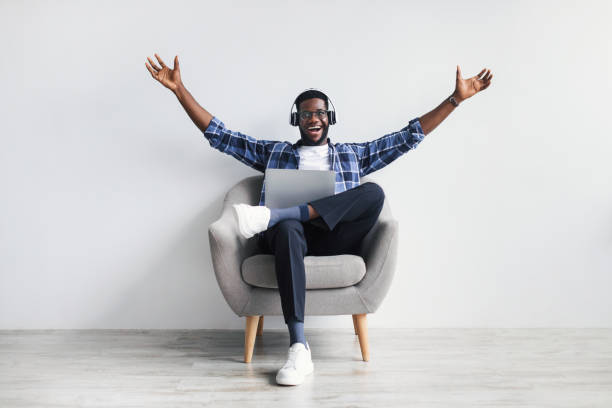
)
(345, 218)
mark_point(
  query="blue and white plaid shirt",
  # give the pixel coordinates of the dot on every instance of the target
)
(350, 161)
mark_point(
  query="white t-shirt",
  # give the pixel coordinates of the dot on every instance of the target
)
(314, 157)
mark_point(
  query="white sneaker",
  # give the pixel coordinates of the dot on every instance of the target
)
(252, 219)
(298, 365)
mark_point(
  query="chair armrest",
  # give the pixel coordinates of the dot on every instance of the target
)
(379, 251)
(228, 251)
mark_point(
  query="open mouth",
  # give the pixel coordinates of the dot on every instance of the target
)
(314, 130)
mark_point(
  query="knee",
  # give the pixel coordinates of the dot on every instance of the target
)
(375, 191)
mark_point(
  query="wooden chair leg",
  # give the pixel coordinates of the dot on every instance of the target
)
(362, 332)
(249, 337)
(355, 324)
(260, 326)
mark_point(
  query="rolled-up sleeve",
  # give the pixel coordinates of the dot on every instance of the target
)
(378, 153)
(247, 149)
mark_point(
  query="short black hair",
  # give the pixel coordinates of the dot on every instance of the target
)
(311, 93)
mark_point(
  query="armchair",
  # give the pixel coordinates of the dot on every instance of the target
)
(335, 285)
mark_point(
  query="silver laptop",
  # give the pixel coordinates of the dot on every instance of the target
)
(286, 188)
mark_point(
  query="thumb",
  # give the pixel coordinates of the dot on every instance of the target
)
(176, 63)
(458, 72)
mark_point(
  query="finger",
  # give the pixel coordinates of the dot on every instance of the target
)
(176, 63)
(160, 61)
(480, 73)
(486, 85)
(153, 64)
(458, 72)
(488, 76)
(153, 73)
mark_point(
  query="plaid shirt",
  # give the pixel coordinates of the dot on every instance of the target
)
(350, 161)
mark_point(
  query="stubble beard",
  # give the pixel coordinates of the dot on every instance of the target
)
(308, 142)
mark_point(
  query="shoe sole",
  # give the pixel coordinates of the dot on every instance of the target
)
(241, 221)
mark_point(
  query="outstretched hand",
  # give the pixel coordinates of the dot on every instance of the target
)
(170, 78)
(465, 88)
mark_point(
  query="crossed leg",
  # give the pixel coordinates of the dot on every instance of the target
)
(345, 219)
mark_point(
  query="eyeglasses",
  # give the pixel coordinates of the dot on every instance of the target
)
(306, 115)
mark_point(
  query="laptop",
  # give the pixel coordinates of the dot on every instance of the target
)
(287, 188)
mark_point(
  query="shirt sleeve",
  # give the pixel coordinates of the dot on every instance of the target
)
(378, 153)
(247, 149)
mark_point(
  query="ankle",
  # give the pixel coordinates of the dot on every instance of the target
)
(296, 332)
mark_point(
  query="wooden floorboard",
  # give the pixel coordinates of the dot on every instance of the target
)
(407, 368)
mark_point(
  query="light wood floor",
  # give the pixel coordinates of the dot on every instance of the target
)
(407, 368)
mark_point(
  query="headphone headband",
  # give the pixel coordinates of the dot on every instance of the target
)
(294, 118)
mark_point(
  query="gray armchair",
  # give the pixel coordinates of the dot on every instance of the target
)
(335, 285)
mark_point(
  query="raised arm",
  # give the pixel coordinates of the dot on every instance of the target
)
(377, 154)
(464, 88)
(171, 79)
(247, 149)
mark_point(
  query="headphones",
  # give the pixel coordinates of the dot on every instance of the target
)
(294, 119)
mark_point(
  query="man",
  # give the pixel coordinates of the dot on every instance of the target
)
(329, 226)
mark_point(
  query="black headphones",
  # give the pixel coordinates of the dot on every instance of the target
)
(294, 116)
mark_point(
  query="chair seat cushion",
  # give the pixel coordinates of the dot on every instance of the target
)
(322, 272)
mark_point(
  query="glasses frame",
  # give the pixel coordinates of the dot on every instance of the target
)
(309, 114)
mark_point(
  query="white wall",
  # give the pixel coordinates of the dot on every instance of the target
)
(108, 188)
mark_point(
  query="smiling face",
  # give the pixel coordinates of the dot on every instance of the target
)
(314, 130)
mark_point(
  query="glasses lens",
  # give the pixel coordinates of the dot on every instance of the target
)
(305, 115)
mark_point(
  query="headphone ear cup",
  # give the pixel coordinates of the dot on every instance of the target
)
(332, 117)
(294, 119)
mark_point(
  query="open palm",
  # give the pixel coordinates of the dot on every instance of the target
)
(170, 78)
(465, 88)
